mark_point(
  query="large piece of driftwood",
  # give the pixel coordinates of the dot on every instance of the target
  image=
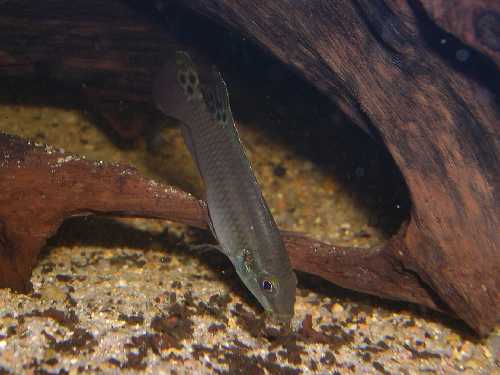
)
(441, 127)
(370, 57)
(41, 187)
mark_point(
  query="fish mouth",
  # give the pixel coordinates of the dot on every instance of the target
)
(283, 320)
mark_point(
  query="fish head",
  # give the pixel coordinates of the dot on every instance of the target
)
(273, 283)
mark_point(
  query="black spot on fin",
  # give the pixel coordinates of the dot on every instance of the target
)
(216, 98)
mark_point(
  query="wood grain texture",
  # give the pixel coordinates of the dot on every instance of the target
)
(42, 186)
(110, 54)
(441, 127)
(373, 58)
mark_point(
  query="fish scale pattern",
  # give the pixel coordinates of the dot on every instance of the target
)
(240, 218)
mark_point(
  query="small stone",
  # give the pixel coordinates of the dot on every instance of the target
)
(279, 170)
(54, 293)
(337, 308)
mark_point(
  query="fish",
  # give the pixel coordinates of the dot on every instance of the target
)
(239, 217)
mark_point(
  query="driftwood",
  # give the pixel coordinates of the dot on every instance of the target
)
(42, 186)
(441, 127)
(370, 57)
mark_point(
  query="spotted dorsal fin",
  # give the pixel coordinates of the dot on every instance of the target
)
(216, 98)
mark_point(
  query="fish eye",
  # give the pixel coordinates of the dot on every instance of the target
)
(267, 286)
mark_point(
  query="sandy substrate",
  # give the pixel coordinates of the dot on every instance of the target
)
(127, 295)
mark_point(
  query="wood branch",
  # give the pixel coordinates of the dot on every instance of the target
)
(440, 125)
(42, 186)
(377, 271)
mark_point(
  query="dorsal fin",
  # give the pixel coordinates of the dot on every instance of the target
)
(216, 98)
(184, 88)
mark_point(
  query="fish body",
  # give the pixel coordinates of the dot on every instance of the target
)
(240, 218)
